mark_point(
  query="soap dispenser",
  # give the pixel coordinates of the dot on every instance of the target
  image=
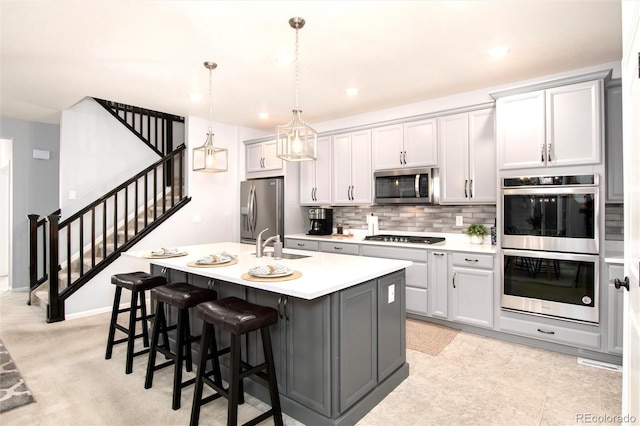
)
(277, 248)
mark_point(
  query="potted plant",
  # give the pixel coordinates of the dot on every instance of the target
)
(476, 231)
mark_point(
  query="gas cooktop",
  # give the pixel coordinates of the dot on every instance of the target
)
(404, 239)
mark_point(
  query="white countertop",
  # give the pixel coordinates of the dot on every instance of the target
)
(452, 242)
(322, 273)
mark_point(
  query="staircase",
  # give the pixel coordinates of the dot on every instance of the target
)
(76, 249)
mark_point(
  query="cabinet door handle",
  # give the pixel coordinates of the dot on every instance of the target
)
(466, 181)
(400, 158)
(286, 315)
(470, 260)
(404, 157)
(546, 332)
(453, 280)
(542, 153)
(471, 188)
(549, 152)
(279, 305)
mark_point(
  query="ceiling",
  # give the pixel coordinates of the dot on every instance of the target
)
(151, 53)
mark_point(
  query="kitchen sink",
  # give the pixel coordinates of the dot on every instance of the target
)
(284, 255)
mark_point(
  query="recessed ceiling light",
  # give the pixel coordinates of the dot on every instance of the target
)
(285, 58)
(499, 51)
(195, 97)
(263, 115)
(352, 91)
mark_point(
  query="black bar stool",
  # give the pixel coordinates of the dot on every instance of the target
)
(182, 296)
(137, 283)
(238, 317)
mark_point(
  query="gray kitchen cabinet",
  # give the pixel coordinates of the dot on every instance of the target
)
(468, 164)
(262, 157)
(351, 178)
(339, 248)
(416, 275)
(472, 284)
(438, 285)
(315, 176)
(615, 308)
(555, 127)
(301, 244)
(391, 327)
(613, 142)
(301, 348)
(412, 144)
(358, 354)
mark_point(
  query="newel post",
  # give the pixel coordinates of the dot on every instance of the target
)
(55, 310)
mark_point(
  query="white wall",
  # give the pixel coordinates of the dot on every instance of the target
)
(96, 154)
(5, 203)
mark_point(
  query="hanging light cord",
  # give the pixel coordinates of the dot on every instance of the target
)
(210, 99)
(297, 71)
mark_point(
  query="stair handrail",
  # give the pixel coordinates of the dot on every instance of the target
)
(55, 311)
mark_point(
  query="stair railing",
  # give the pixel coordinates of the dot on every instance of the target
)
(94, 229)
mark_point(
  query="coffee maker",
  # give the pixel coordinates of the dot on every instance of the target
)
(321, 221)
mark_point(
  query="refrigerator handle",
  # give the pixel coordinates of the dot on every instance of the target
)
(254, 212)
(250, 210)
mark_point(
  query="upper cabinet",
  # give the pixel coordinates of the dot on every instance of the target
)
(560, 126)
(613, 143)
(468, 163)
(351, 181)
(262, 157)
(412, 144)
(315, 176)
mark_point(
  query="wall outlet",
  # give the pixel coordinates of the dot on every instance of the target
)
(459, 221)
(392, 293)
(72, 195)
(196, 218)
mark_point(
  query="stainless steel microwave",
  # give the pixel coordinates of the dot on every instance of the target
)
(407, 186)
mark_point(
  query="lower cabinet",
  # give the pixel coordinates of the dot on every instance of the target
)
(301, 347)
(472, 289)
(438, 285)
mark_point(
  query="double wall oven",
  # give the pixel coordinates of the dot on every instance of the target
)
(550, 241)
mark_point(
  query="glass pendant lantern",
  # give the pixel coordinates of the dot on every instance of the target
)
(296, 140)
(208, 158)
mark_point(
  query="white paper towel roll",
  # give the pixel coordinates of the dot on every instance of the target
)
(372, 224)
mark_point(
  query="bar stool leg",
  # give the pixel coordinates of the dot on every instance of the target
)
(112, 324)
(177, 371)
(158, 324)
(187, 336)
(145, 327)
(271, 374)
(202, 365)
(132, 332)
(234, 381)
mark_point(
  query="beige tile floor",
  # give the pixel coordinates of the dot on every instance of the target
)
(475, 381)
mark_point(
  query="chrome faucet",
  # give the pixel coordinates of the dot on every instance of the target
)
(260, 245)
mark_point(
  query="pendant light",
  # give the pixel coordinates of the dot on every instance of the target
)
(297, 141)
(209, 158)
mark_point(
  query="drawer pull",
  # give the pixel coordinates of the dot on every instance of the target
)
(546, 332)
(438, 254)
(337, 248)
(301, 245)
(470, 260)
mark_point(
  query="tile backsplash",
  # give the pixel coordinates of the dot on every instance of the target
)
(443, 218)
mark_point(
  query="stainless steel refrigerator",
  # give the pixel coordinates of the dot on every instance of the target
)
(261, 207)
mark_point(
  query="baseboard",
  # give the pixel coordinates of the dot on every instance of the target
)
(94, 312)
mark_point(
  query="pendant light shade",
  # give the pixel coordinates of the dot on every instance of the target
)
(297, 141)
(209, 158)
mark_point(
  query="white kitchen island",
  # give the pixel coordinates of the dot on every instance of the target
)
(340, 341)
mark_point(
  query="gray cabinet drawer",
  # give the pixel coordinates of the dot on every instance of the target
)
(339, 248)
(551, 333)
(301, 244)
(417, 255)
(472, 260)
